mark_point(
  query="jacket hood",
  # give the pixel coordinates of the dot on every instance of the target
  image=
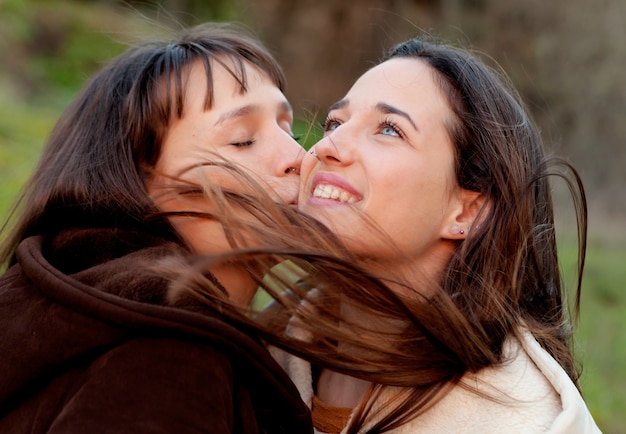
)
(88, 290)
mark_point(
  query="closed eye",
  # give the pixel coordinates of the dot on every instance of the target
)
(243, 144)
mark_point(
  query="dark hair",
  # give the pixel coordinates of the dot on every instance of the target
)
(506, 273)
(93, 169)
(502, 278)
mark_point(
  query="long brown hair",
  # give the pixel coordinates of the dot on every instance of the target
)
(503, 277)
(507, 270)
(93, 169)
(506, 274)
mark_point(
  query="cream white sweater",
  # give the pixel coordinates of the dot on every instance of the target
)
(533, 395)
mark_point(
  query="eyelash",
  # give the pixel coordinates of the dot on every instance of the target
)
(327, 123)
(243, 144)
(251, 142)
(386, 123)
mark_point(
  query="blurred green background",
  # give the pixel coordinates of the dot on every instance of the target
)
(565, 57)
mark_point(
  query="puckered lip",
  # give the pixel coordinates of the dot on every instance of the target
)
(286, 196)
(290, 198)
(334, 181)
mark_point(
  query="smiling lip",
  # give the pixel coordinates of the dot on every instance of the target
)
(327, 187)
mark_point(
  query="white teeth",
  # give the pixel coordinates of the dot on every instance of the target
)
(325, 191)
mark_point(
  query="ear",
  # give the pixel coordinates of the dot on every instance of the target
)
(465, 215)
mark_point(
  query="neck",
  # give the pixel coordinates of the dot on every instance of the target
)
(406, 273)
(239, 285)
(340, 390)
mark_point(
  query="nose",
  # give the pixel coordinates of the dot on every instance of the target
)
(288, 155)
(334, 149)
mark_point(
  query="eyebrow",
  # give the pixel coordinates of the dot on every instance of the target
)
(381, 107)
(339, 104)
(283, 107)
(389, 109)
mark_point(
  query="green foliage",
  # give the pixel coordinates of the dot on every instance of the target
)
(13, 23)
(601, 338)
(307, 132)
(74, 54)
(55, 46)
(22, 133)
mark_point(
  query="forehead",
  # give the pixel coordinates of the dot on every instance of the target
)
(197, 86)
(409, 80)
(227, 80)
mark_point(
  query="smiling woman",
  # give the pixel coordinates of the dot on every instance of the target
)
(374, 153)
(453, 318)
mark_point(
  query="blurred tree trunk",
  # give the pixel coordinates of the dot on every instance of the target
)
(324, 45)
(191, 12)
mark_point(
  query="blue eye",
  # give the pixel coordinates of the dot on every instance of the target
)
(389, 131)
(388, 128)
(330, 124)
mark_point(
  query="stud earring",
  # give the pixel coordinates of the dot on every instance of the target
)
(456, 230)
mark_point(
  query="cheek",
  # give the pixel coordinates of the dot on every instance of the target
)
(307, 170)
(410, 212)
(309, 162)
(203, 236)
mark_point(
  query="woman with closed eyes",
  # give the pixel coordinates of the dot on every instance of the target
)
(92, 339)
